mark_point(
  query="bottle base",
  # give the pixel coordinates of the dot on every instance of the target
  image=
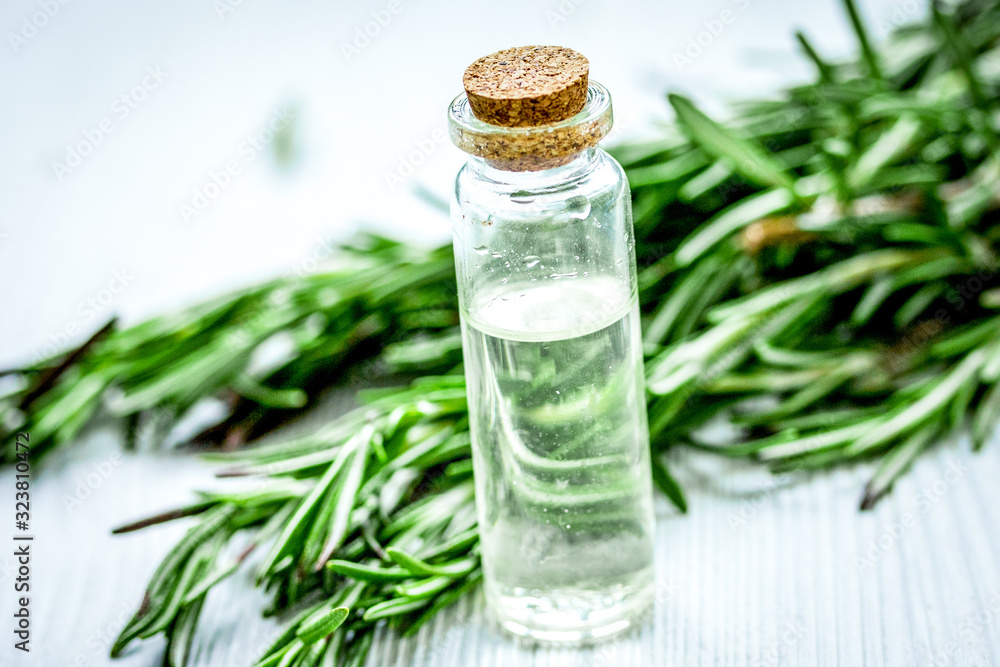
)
(570, 617)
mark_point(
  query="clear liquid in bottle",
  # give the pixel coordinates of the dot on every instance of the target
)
(560, 446)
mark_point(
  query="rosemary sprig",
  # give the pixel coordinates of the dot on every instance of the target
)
(366, 295)
(375, 528)
(821, 250)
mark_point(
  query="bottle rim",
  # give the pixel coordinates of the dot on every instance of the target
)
(532, 148)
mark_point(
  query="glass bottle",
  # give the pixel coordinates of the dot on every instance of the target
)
(553, 361)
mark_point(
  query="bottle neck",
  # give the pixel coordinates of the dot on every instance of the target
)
(578, 166)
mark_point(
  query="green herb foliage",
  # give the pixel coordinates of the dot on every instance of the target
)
(821, 270)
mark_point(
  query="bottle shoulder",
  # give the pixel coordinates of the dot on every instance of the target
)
(602, 177)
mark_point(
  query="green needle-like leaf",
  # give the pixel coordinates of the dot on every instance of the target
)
(731, 220)
(867, 52)
(316, 627)
(418, 567)
(750, 159)
(668, 485)
(394, 607)
(895, 464)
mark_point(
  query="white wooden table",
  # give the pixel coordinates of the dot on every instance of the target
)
(761, 572)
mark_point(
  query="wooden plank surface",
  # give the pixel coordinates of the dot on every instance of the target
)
(762, 572)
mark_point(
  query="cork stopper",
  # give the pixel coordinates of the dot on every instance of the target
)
(529, 108)
(527, 85)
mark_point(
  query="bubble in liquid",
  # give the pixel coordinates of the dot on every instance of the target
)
(532, 260)
(481, 250)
